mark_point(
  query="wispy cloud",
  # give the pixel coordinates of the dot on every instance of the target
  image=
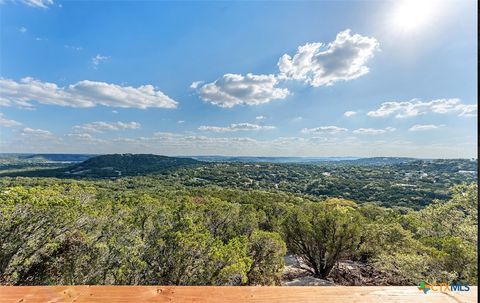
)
(373, 131)
(75, 48)
(101, 126)
(423, 127)
(8, 122)
(176, 143)
(467, 110)
(98, 59)
(324, 130)
(80, 136)
(38, 3)
(196, 84)
(236, 127)
(22, 29)
(86, 138)
(82, 94)
(35, 132)
(416, 107)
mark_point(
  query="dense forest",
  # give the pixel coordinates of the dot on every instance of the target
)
(232, 223)
(390, 182)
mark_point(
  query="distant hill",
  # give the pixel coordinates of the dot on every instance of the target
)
(113, 166)
(380, 160)
(65, 158)
(309, 160)
(117, 165)
(249, 159)
(57, 157)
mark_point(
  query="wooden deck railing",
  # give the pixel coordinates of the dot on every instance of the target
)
(336, 294)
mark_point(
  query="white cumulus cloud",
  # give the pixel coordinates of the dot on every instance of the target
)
(317, 64)
(235, 89)
(324, 130)
(416, 107)
(373, 131)
(236, 127)
(81, 94)
(320, 64)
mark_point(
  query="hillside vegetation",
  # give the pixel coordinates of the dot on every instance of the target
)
(127, 165)
(112, 166)
(391, 182)
(197, 223)
(111, 232)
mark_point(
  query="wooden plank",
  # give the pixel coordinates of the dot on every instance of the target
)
(334, 294)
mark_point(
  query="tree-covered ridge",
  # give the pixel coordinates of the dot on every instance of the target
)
(412, 184)
(112, 166)
(143, 231)
(118, 165)
(56, 157)
(392, 182)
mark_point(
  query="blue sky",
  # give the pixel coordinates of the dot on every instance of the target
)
(306, 78)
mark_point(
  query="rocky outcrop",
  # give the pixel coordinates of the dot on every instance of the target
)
(345, 273)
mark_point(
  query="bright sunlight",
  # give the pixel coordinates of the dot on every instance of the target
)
(412, 15)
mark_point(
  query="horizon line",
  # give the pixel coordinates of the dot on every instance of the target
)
(226, 156)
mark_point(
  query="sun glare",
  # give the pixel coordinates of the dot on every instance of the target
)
(412, 15)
